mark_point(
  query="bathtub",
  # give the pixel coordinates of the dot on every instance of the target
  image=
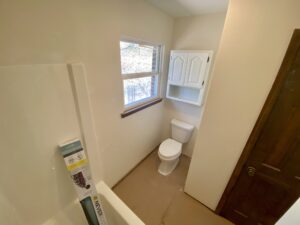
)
(116, 211)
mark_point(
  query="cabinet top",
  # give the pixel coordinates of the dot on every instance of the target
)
(192, 51)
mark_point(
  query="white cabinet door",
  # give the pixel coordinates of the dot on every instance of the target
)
(177, 68)
(196, 70)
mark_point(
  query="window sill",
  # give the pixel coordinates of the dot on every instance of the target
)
(140, 107)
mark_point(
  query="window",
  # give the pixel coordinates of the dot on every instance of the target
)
(140, 67)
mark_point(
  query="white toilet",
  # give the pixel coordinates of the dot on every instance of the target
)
(170, 149)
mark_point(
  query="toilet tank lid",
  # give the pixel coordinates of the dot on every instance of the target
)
(181, 124)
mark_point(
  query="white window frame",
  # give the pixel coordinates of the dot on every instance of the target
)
(157, 73)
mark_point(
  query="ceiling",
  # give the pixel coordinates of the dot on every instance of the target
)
(180, 8)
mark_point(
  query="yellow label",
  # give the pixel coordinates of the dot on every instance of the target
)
(76, 164)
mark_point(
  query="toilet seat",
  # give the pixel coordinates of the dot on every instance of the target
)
(170, 149)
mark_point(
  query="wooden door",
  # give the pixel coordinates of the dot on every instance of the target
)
(177, 68)
(266, 181)
(196, 69)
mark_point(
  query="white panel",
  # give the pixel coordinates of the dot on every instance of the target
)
(37, 113)
(177, 68)
(196, 69)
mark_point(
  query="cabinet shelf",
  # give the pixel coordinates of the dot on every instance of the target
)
(184, 94)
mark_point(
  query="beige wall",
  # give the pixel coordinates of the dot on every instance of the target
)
(254, 41)
(193, 33)
(55, 31)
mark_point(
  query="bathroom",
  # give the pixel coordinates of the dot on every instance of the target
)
(41, 37)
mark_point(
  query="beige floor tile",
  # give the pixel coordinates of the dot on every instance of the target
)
(186, 210)
(158, 199)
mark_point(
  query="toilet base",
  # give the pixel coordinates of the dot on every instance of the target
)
(166, 167)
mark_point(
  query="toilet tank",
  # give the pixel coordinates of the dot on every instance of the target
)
(181, 131)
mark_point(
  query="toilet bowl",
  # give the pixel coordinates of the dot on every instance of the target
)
(169, 152)
(170, 149)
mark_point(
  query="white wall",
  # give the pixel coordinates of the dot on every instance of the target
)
(60, 31)
(193, 33)
(37, 113)
(292, 216)
(254, 41)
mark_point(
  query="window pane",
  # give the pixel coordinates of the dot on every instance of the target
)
(138, 89)
(137, 58)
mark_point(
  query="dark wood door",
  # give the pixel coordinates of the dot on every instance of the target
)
(268, 182)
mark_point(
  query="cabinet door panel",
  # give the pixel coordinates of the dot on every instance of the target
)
(177, 68)
(196, 68)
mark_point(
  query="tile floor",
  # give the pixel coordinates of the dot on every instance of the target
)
(160, 200)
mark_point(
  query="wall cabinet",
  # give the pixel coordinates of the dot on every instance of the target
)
(188, 74)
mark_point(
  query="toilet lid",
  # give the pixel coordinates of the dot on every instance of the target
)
(170, 148)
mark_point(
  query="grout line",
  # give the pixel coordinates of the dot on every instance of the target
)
(214, 212)
(177, 192)
(201, 203)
